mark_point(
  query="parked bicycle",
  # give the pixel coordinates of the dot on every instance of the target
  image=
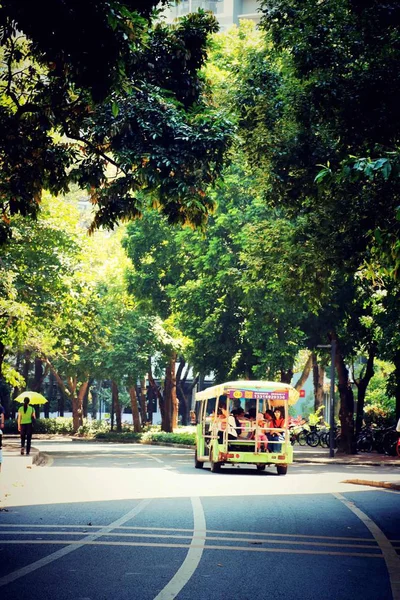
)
(305, 435)
(325, 437)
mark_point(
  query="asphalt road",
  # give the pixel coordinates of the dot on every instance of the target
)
(116, 522)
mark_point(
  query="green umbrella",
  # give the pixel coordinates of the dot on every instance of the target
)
(34, 398)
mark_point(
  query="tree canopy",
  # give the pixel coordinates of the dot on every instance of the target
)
(99, 95)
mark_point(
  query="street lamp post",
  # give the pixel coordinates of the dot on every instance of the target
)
(332, 346)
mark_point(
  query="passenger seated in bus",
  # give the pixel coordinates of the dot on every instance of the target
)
(237, 414)
(270, 424)
(243, 425)
(279, 423)
(269, 419)
(225, 421)
(260, 435)
(251, 413)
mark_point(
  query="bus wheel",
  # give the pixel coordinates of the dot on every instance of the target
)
(281, 469)
(198, 464)
(215, 467)
(261, 467)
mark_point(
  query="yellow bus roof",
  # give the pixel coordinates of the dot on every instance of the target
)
(256, 386)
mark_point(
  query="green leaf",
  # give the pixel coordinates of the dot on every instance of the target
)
(115, 109)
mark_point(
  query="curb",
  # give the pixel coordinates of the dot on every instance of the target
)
(332, 461)
(379, 484)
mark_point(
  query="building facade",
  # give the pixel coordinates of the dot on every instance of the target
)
(227, 12)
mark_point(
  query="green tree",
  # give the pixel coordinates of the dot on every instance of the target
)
(36, 265)
(152, 247)
(306, 98)
(117, 107)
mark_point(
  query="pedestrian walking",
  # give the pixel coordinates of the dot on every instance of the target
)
(26, 418)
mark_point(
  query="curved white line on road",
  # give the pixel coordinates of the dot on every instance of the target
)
(392, 559)
(193, 556)
(161, 462)
(68, 549)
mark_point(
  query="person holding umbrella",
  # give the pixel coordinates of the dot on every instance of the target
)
(26, 418)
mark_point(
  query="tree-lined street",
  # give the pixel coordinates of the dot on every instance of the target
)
(120, 521)
(186, 203)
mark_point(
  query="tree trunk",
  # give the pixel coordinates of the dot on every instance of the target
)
(5, 399)
(396, 384)
(135, 409)
(38, 375)
(66, 392)
(181, 398)
(174, 398)
(86, 400)
(95, 401)
(41, 371)
(143, 400)
(362, 385)
(77, 402)
(116, 404)
(304, 376)
(346, 412)
(170, 411)
(157, 393)
(318, 380)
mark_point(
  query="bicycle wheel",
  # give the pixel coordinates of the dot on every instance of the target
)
(364, 444)
(313, 439)
(324, 439)
(302, 438)
(390, 443)
(378, 441)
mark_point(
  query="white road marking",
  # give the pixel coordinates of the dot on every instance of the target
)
(149, 457)
(390, 555)
(71, 548)
(193, 557)
(195, 546)
(369, 543)
(26, 526)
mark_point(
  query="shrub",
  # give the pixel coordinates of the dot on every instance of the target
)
(92, 428)
(58, 425)
(375, 414)
(152, 434)
(10, 426)
(315, 418)
(171, 438)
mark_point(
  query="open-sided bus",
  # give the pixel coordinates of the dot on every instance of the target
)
(256, 441)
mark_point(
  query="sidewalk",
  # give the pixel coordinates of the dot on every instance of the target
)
(306, 454)
(12, 450)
